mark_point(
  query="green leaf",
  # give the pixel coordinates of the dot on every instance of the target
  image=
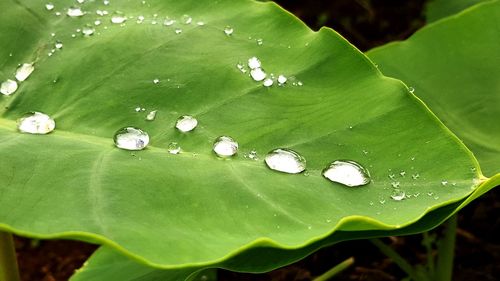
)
(454, 68)
(438, 9)
(193, 209)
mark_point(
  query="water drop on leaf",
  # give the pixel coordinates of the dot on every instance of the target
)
(36, 123)
(348, 173)
(225, 146)
(130, 138)
(286, 161)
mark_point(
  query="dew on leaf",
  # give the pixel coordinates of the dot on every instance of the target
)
(348, 173)
(88, 30)
(395, 184)
(58, 45)
(186, 19)
(228, 30)
(173, 148)
(36, 123)
(24, 71)
(151, 115)
(178, 31)
(268, 82)
(49, 6)
(156, 81)
(168, 21)
(241, 67)
(130, 138)
(225, 146)
(97, 22)
(286, 161)
(398, 195)
(444, 183)
(74, 12)
(8, 87)
(254, 63)
(118, 18)
(252, 155)
(186, 123)
(282, 79)
(259, 42)
(415, 176)
(258, 74)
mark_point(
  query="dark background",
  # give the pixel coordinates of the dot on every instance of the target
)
(366, 24)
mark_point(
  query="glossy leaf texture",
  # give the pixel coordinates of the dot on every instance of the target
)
(438, 9)
(194, 209)
(454, 66)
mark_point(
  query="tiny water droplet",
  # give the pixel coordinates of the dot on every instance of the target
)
(228, 30)
(97, 22)
(252, 155)
(8, 87)
(168, 21)
(259, 42)
(395, 184)
(286, 161)
(398, 195)
(24, 71)
(258, 74)
(348, 173)
(200, 23)
(186, 19)
(381, 201)
(392, 176)
(118, 18)
(130, 138)
(403, 173)
(58, 45)
(80, 1)
(88, 30)
(225, 146)
(151, 115)
(156, 81)
(371, 203)
(268, 82)
(49, 6)
(154, 22)
(254, 63)
(36, 123)
(173, 148)
(74, 12)
(415, 176)
(417, 194)
(241, 67)
(186, 123)
(430, 193)
(178, 31)
(282, 79)
(106, 2)
(443, 183)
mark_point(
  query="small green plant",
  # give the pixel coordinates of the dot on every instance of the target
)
(174, 209)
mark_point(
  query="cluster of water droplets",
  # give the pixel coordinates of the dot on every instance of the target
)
(10, 86)
(254, 69)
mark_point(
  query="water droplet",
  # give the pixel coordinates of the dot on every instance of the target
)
(156, 81)
(252, 155)
(225, 146)
(24, 71)
(228, 30)
(268, 82)
(398, 195)
(286, 161)
(259, 42)
(403, 173)
(74, 12)
(58, 45)
(411, 90)
(258, 74)
(430, 193)
(80, 1)
(88, 30)
(241, 67)
(443, 183)
(178, 31)
(49, 6)
(118, 18)
(254, 63)
(97, 22)
(395, 184)
(36, 123)
(186, 123)
(140, 19)
(168, 21)
(130, 138)
(348, 173)
(415, 176)
(154, 22)
(282, 79)
(381, 201)
(186, 19)
(106, 2)
(174, 148)
(417, 194)
(151, 115)
(8, 87)
(392, 176)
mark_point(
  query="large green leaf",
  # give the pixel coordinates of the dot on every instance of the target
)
(193, 209)
(454, 67)
(438, 9)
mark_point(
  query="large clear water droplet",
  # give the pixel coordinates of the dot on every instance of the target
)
(225, 146)
(36, 123)
(118, 18)
(398, 195)
(8, 87)
(282, 79)
(348, 173)
(286, 161)
(258, 74)
(75, 12)
(130, 138)
(254, 63)
(186, 123)
(24, 71)
(174, 148)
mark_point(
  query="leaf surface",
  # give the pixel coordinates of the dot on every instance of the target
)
(194, 209)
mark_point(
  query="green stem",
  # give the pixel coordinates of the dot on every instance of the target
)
(446, 251)
(430, 255)
(335, 270)
(8, 260)
(399, 260)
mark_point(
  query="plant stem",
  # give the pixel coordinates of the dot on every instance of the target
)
(335, 270)
(399, 260)
(428, 242)
(8, 259)
(446, 251)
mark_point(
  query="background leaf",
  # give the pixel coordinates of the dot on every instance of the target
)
(438, 9)
(454, 67)
(193, 209)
